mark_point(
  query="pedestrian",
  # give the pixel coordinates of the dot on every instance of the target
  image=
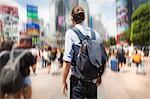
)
(80, 88)
(49, 59)
(121, 58)
(35, 53)
(61, 57)
(54, 61)
(42, 58)
(130, 54)
(25, 63)
(4, 46)
(137, 59)
(29, 60)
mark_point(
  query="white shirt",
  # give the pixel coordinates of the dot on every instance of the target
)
(72, 38)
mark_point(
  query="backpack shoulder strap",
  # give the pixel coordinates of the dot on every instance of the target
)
(3, 53)
(17, 59)
(93, 36)
(79, 34)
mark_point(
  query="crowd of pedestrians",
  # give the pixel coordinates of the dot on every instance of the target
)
(32, 56)
(84, 54)
(126, 57)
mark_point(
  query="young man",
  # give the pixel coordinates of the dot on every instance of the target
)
(25, 62)
(79, 89)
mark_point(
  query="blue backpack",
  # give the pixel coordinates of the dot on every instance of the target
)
(90, 57)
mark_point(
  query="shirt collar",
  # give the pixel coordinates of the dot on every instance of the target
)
(80, 26)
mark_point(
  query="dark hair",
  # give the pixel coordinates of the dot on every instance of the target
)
(25, 43)
(78, 14)
(6, 45)
(136, 51)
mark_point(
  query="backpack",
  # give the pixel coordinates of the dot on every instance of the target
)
(11, 78)
(91, 57)
(3, 59)
(136, 58)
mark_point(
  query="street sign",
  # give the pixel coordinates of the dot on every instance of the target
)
(32, 12)
(32, 8)
(32, 15)
(32, 26)
(33, 29)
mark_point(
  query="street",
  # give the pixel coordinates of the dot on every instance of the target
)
(115, 85)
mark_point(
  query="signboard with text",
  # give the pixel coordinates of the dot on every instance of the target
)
(32, 29)
(32, 12)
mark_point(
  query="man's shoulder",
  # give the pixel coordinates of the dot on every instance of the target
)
(70, 33)
(69, 30)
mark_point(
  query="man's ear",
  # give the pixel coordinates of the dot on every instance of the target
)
(71, 18)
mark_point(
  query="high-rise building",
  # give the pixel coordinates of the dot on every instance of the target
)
(9, 21)
(96, 24)
(137, 3)
(124, 10)
(122, 19)
(60, 14)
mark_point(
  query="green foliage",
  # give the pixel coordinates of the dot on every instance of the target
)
(127, 35)
(107, 43)
(112, 40)
(140, 27)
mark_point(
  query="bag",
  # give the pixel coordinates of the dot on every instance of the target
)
(136, 58)
(90, 57)
(11, 78)
(53, 56)
(114, 65)
(140, 69)
(3, 58)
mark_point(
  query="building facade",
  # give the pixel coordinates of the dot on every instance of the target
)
(61, 9)
(124, 10)
(9, 21)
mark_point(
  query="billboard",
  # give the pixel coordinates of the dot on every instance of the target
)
(32, 29)
(122, 16)
(32, 26)
(32, 12)
(122, 19)
(9, 10)
(10, 19)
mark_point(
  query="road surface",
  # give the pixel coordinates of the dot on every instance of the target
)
(120, 85)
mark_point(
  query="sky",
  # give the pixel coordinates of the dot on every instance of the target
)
(106, 8)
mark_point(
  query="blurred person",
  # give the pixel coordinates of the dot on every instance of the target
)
(61, 57)
(4, 46)
(130, 54)
(49, 59)
(146, 51)
(137, 59)
(46, 58)
(54, 61)
(42, 58)
(27, 61)
(35, 53)
(121, 58)
(79, 88)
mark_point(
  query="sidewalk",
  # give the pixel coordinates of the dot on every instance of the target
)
(126, 85)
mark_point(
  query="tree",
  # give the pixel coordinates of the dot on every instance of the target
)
(127, 35)
(140, 27)
(112, 40)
